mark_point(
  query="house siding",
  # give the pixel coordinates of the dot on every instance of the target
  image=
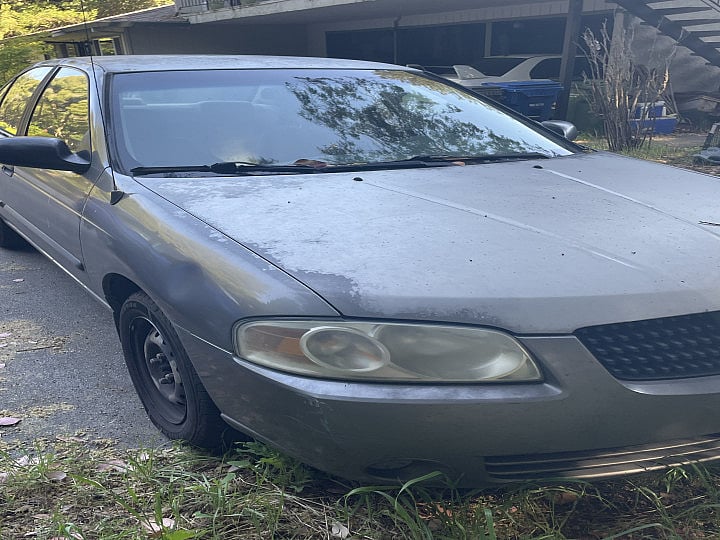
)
(217, 39)
(316, 32)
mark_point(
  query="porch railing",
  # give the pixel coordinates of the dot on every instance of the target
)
(210, 5)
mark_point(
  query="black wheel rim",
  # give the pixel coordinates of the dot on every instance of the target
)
(158, 365)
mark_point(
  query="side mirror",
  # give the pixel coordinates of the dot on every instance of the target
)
(41, 153)
(562, 128)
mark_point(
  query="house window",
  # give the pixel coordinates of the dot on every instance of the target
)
(538, 36)
(429, 45)
(108, 46)
(376, 45)
(441, 45)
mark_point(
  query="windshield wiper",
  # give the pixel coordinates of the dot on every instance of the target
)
(225, 167)
(170, 169)
(479, 159)
(303, 166)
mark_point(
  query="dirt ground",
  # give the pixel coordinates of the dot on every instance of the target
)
(681, 140)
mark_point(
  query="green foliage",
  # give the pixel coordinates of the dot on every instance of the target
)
(88, 489)
(425, 514)
(19, 18)
(25, 17)
(18, 54)
(107, 8)
(62, 112)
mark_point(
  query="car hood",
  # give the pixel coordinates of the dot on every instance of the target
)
(542, 246)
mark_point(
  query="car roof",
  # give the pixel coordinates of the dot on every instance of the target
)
(126, 63)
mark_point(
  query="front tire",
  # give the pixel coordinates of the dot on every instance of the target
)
(168, 386)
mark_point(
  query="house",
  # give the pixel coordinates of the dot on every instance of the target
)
(423, 32)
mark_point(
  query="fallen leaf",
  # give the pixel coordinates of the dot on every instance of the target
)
(155, 530)
(41, 516)
(24, 461)
(565, 497)
(2, 365)
(6, 334)
(339, 530)
(9, 421)
(113, 465)
(56, 475)
(4, 476)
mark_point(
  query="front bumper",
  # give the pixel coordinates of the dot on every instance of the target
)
(580, 422)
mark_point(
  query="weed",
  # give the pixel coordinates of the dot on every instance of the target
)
(83, 491)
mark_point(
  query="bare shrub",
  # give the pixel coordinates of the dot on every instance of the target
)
(618, 87)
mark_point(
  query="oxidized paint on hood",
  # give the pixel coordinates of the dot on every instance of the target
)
(542, 246)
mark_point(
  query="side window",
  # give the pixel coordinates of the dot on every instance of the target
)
(17, 96)
(63, 110)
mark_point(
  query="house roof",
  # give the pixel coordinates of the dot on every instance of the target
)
(319, 11)
(100, 27)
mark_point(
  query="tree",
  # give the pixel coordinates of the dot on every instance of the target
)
(20, 18)
(108, 8)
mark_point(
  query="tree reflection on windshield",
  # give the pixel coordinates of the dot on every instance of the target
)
(384, 117)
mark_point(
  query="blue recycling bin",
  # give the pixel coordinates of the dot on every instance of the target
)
(535, 99)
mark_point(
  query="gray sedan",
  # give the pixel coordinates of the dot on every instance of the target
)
(374, 270)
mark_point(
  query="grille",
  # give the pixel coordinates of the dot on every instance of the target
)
(604, 463)
(666, 348)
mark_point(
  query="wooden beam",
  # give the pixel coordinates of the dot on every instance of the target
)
(672, 28)
(567, 64)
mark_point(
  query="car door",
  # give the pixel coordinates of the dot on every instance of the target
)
(49, 202)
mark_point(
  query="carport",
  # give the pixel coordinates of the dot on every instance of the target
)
(391, 30)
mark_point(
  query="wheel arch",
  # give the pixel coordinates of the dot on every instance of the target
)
(117, 288)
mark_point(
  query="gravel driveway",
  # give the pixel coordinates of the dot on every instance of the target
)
(63, 371)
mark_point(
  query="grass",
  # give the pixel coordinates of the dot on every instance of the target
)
(74, 488)
(78, 489)
(660, 151)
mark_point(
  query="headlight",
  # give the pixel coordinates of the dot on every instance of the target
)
(385, 351)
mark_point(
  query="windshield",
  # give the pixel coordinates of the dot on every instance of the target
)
(283, 117)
